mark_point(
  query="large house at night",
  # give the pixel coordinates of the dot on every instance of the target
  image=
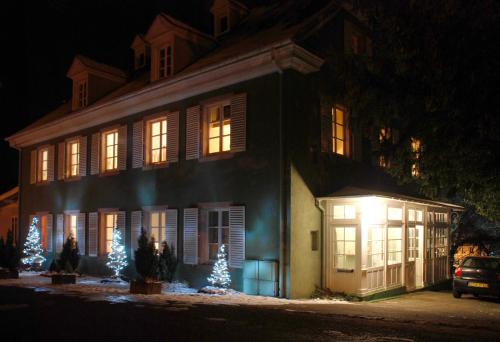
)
(225, 137)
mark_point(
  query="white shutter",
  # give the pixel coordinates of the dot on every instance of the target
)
(236, 236)
(173, 137)
(190, 251)
(93, 223)
(80, 233)
(238, 122)
(171, 229)
(33, 167)
(94, 157)
(136, 225)
(50, 165)
(83, 157)
(193, 133)
(48, 232)
(61, 160)
(59, 232)
(122, 148)
(120, 223)
(138, 145)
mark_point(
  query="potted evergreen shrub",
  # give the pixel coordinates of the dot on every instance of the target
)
(67, 263)
(146, 264)
(9, 257)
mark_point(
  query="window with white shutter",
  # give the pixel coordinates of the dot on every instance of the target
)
(59, 232)
(136, 226)
(238, 122)
(95, 154)
(138, 145)
(171, 229)
(236, 236)
(190, 236)
(80, 233)
(48, 232)
(93, 235)
(193, 133)
(61, 160)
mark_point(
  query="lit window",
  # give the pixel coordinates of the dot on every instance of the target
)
(394, 214)
(165, 62)
(43, 156)
(375, 246)
(441, 243)
(158, 227)
(345, 247)
(339, 131)
(111, 151)
(416, 149)
(414, 241)
(394, 238)
(158, 141)
(344, 212)
(385, 136)
(72, 222)
(218, 231)
(82, 93)
(43, 230)
(109, 226)
(219, 128)
(73, 158)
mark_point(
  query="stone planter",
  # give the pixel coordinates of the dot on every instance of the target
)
(143, 287)
(62, 278)
(9, 274)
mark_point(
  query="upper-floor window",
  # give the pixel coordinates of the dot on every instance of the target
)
(219, 127)
(110, 149)
(218, 231)
(416, 149)
(340, 131)
(73, 158)
(43, 164)
(165, 62)
(82, 91)
(158, 141)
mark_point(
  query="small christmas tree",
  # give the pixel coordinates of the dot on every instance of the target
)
(146, 258)
(70, 256)
(167, 262)
(117, 258)
(33, 248)
(220, 274)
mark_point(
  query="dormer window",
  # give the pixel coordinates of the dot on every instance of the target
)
(83, 97)
(223, 24)
(227, 15)
(165, 62)
(141, 60)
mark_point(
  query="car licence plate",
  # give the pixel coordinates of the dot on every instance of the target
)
(472, 284)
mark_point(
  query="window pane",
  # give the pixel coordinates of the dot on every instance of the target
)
(411, 215)
(155, 143)
(339, 232)
(394, 214)
(155, 156)
(225, 235)
(214, 130)
(110, 151)
(155, 128)
(227, 127)
(164, 126)
(350, 234)
(339, 261)
(350, 212)
(155, 219)
(350, 261)
(339, 146)
(109, 233)
(163, 140)
(419, 216)
(213, 145)
(110, 139)
(213, 248)
(339, 116)
(214, 114)
(338, 211)
(109, 221)
(163, 154)
(339, 132)
(109, 164)
(108, 246)
(394, 233)
(225, 218)
(227, 112)
(226, 143)
(350, 248)
(340, 247)
(213, 219)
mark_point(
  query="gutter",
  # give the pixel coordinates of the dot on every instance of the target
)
(323, 242)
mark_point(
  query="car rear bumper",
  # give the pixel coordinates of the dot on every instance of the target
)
(462, 286)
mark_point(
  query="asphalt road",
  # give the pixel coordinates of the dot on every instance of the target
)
(26, 315)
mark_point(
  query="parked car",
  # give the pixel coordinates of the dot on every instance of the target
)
(477, 275)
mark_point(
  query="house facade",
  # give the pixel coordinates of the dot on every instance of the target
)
(214, 138)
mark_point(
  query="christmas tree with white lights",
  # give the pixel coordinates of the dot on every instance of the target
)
(220, 274)
(33, 250)
(117, 258)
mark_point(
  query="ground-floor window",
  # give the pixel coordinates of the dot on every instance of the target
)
(158, 227)
(218, 231)
(375, 246)
(345, 247)
(110, 220)
(43, 231)
(71, 222)
(394, 245)
(441, 241)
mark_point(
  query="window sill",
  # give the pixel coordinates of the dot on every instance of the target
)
(217, 156)
(344, 270)
(109, 173)
(155, 166)
(41, 183)
(72, 179)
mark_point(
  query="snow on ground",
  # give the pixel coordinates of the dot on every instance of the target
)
(91, 288)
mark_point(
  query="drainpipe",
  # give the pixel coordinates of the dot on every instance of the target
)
(282, 185)
(323, 242)
(19, 183)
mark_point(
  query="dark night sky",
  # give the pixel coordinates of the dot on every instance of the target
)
(40, 38)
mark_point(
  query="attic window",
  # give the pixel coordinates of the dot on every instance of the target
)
(165, 62)
(82, 89)
(224, 24)
(141, 59)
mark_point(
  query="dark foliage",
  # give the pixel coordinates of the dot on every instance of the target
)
(69, 257)
(146, 258)
(433, 75)
(9, 253)
(54, 267)
(167, 263)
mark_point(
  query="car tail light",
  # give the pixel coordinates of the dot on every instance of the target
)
(458, 272)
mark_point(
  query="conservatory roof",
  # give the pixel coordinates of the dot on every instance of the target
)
(353, 192)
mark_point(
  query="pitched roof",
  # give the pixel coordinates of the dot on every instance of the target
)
(92, 64)
(264, 26)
